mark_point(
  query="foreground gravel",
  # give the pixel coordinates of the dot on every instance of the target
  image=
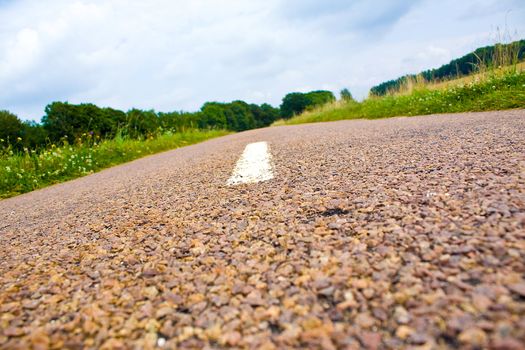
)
(395, 233)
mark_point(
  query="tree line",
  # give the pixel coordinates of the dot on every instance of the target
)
(63, 121)
(488, 56)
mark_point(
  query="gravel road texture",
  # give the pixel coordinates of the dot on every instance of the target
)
(394, 233)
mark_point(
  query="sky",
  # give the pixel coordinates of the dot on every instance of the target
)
(172, 55)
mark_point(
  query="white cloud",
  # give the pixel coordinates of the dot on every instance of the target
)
(172, 55)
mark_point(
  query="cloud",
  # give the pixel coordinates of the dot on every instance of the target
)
(172, 55)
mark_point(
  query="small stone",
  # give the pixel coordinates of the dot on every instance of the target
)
(321, 283)
(111, 344)
(418, 338)
(161, 342)
(254, 299)
(349, 296)
(518, 288)
(327, 291)
(151, 292)
(311, 323)
(93, 274)
(360, 283)
(163, 311)
(364, 320)
(214, 332)
(380, 314)
(39, 340)
(370, 340)
(401, 315)
(349, 302)
(13, 332)
(30, 304)
(273, 313)
(403, 332)
(173, 298)
(268, 345)
(368, 293)
(473, 336)
(506, 344)
(150, 272)
(231, 338)
(481, 302)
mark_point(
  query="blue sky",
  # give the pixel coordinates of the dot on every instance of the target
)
(175, 55)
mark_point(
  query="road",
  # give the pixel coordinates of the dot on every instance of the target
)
(393, 233)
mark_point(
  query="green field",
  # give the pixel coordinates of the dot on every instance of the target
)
(28, 170)
(496, 90)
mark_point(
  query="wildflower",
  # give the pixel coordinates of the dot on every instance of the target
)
(19, 138)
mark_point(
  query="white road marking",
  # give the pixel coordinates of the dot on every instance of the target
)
(253, 166)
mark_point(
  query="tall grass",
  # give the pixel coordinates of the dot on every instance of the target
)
(493, 90)
(28, 170)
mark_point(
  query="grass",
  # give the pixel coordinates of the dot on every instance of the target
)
(519, 67)
(494, 90)
(26, 171)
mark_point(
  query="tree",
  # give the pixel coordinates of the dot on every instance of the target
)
(346, 96)
(141, 123)
(293, 103)
(319, 98)
(269, 114)
(264, 114)
(213, 116)
(242, 113)
(33, 135)
(62, 119)
(11, 127)
(296, 102)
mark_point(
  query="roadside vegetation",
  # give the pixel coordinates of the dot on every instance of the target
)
(505, 90)
(491, 84)
(481, 60)
(29, 169)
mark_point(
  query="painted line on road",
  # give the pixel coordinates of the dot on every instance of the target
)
(253, 166)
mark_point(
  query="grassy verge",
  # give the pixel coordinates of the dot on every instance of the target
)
(494, 91)
(22, 172)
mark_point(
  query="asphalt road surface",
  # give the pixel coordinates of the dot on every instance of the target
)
(394, 233)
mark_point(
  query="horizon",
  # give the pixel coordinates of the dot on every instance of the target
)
(174, 57)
